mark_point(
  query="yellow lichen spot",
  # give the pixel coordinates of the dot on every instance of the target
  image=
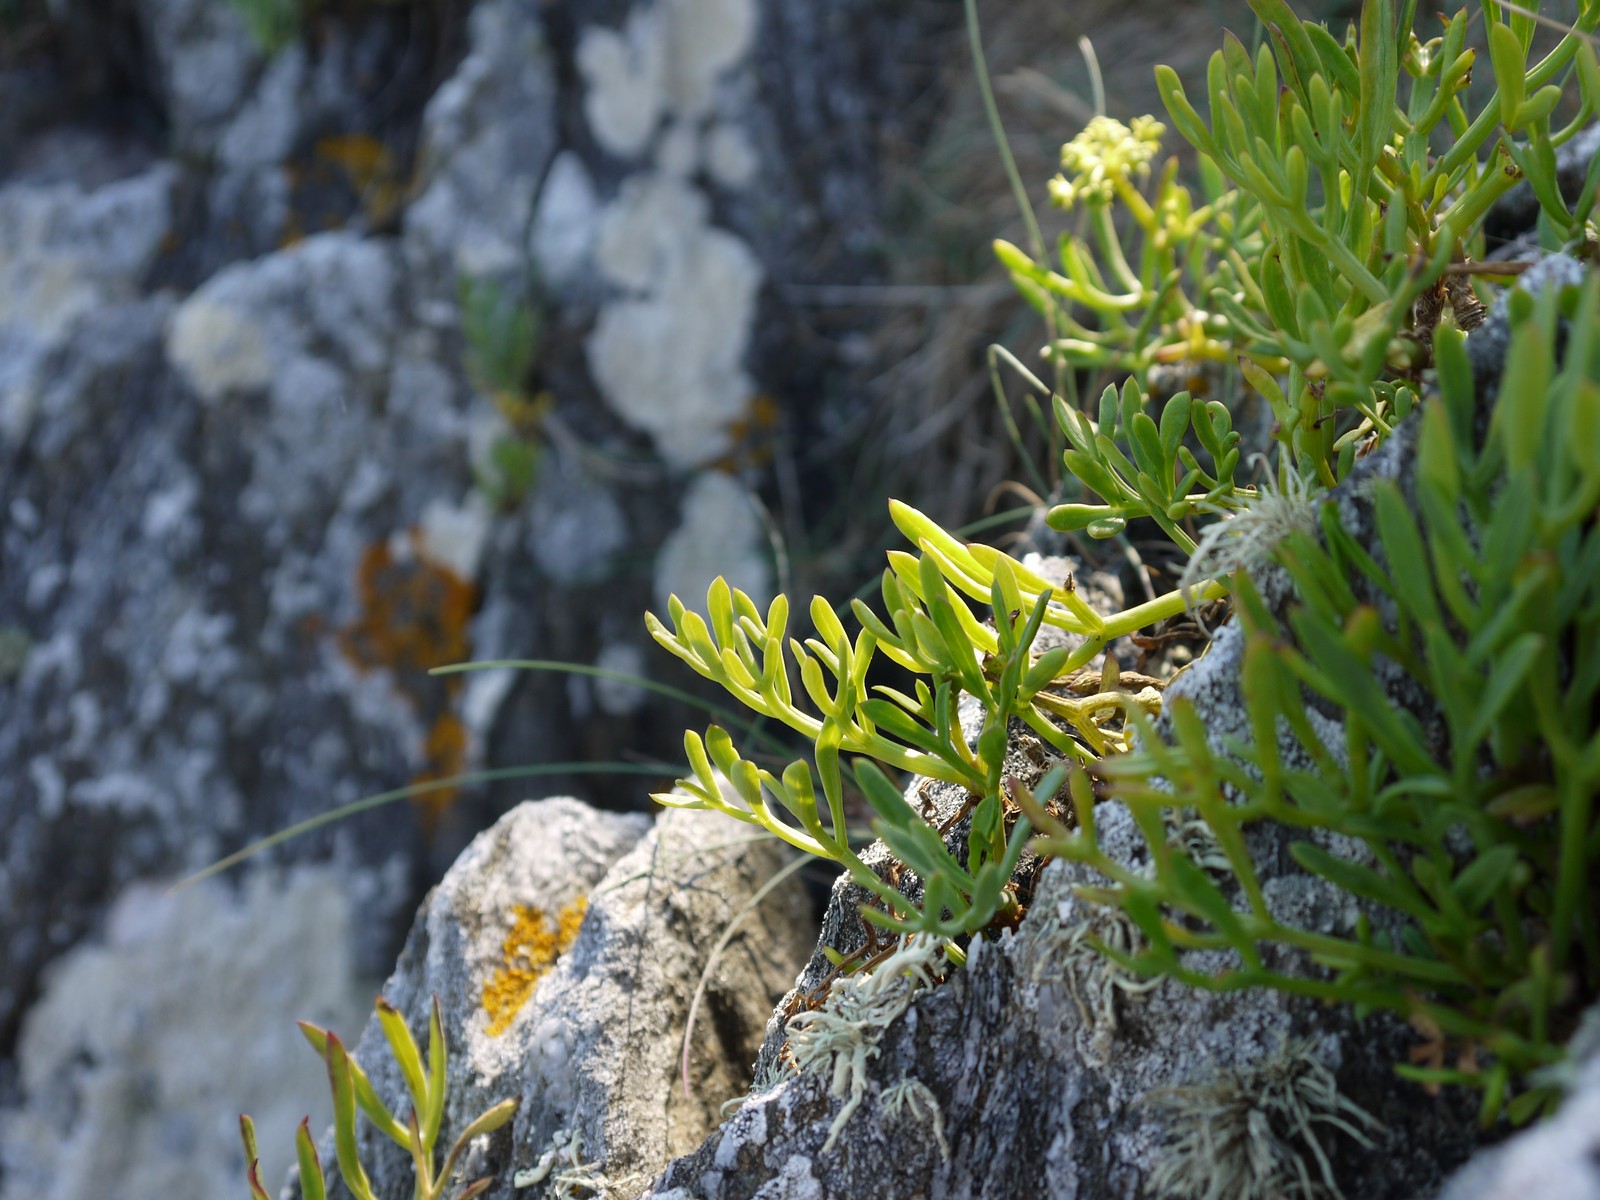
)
(529, 951)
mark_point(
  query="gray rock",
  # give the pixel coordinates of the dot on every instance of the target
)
(1560, 1156)
(236, 459)
(206, 64)
(184, 534)
(592, 1046)
(66, 254)
(1045, 1075)
(487, 139)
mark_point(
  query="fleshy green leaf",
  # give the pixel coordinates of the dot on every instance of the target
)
(342, 1083)
(1476, 883)
(313, 1183)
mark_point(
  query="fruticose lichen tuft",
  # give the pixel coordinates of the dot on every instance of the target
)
(1248, 1134)
(838, 1038)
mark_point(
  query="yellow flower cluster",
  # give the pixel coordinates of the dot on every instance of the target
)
(1099, 161)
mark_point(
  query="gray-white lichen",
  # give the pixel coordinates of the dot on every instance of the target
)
(563, 1172)
(914, 1101)
(1253, 1133)
(843, 1034)
(1246, 538)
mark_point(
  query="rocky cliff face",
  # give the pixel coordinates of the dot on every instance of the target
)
(273, 443)
(260, 467)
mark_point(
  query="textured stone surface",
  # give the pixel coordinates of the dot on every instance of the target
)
(593, 1048)
(237, 462)
(144, 1047)
(67, 254)
(487, 139)
(1033, 1101)
(1557, 1157)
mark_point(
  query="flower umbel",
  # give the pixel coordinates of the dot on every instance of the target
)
(1100, 160)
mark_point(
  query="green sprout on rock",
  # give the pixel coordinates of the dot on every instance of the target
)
(418, 1134)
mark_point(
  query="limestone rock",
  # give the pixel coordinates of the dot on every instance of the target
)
(241, 501)
(1557, 1157)
(590, 1040)
(487, 139)
(1041, 1076)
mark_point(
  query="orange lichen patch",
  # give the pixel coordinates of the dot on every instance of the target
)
(414, 615)
(372, 171)
(340, 175)
(529, 951)
(753, 434)
(446, 752)
(360, 155)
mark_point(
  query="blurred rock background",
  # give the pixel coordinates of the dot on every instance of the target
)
(340, 344)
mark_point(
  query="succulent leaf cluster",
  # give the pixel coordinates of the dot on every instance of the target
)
(928, 627)
(1343, 181)
(1159, 476)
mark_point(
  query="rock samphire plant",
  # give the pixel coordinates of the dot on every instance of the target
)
(418, 1133)
(1333, 268)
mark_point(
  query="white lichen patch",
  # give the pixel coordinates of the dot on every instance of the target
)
(706, 39)
(730, 157)
(565, 221)
(624, 74)
(913, 1101)
(665, 60)
(1071, 940)
(562, 1171)
(721, 534)
(1246, 539)
(301, 323)
(453, 535)
(1253, 1132)
(219, 348)
(837, 1039)
(668, 353)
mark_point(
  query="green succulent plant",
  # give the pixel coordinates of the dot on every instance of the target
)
(1477, 862)
(929, 628)
(1346, 185)
(1345, 189)
(501, 332)
(418, 1134)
